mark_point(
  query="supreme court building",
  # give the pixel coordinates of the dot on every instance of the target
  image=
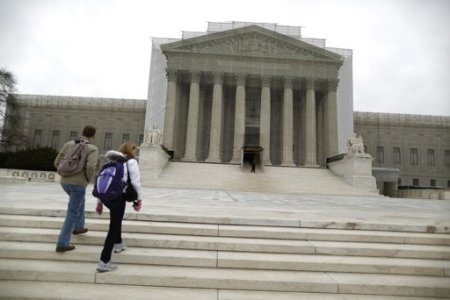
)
(239, 87)
(250, 85)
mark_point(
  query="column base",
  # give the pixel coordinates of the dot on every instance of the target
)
(288, 164)
(235, 161)
(189, 159)
(213, 160)
(267, 163)
(311, 165)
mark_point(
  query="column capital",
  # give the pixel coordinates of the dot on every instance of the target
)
(195, 76)
(311, 83)
(218, 77)
(266, 80)
(288, 82)
(172, 75)
(240, 78)
(332, 85)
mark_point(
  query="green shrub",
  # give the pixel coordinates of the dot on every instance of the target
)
(39, 159)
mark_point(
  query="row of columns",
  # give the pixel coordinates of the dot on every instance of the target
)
(239, 121)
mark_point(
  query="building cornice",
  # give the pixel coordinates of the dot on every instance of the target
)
(80, 102)
(406, 120)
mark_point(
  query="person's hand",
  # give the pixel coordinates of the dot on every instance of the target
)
(137, 205)
(99, 208)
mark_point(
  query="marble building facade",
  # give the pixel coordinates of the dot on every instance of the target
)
(50, 121)
(417, 145)
(245, 84)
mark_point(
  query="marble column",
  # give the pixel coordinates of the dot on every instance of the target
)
(332, 119)
(216, 120)
(169, 115)
(288, 124)
(239, 118)
(192, 121)
(311, 126)
(264, 127)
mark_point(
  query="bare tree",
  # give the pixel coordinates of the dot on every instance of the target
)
(10, 119)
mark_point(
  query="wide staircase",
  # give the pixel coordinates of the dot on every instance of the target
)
(266, 179)
(205, 261)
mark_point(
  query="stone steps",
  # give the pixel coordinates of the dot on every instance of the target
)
(218, 278)
(216, 261)
(233, 259)
(81, 291)
(241, 231)
(239, 244)
(237, 178)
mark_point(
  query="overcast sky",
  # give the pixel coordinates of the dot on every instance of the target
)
(102, 48)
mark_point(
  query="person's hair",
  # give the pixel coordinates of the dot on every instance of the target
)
(128, 149)
(88, 131)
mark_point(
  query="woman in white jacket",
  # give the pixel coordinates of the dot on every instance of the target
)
(113, 241)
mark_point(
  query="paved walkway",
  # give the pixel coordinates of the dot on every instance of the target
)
(276, 209)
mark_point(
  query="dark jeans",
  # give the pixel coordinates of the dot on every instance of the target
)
(116, 211)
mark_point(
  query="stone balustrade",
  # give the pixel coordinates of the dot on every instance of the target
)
(29, 175)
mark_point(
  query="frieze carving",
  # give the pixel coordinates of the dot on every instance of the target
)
(253, 43)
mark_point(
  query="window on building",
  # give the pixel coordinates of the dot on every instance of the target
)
(73, 135)
(433, 182)
(431, 159)
(380, 154)
(416, 181)
(107, 143)
(366, 149)
(125, 138)
(448, 184)
(397, 156)
(37, 137)
(399, 181)
(55, 139)
(141, 139)
(414, 156)
(447, 158)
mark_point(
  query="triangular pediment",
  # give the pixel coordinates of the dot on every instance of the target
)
(252, 41)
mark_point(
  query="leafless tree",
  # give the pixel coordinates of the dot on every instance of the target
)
(10, 119)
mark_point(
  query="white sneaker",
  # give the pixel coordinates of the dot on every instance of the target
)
(120, 247)
(106, 267)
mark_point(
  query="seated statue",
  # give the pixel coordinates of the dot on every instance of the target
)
(355, 145)
(155, 136)
(152, 137)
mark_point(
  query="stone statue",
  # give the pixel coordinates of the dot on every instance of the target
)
(355, 146)
(152, 137)
(155, 136)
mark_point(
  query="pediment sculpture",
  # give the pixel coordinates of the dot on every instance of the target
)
(252, 41)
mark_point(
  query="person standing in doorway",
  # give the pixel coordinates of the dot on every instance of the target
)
(253, 162)
(75, 186)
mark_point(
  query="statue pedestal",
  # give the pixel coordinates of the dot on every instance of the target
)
(356, 170)
(152, 160)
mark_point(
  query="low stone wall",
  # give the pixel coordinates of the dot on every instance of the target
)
(28, 175)
(425, 194)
